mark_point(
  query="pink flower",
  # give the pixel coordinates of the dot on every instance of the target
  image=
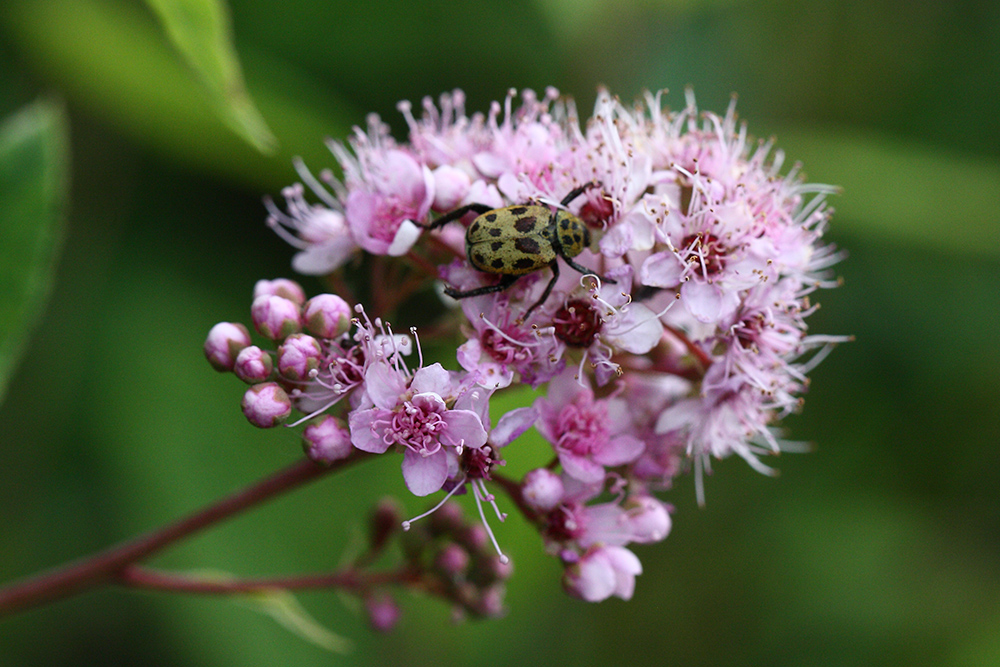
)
(501, 347)
(319, 231)
(412, 414)
(587, 433)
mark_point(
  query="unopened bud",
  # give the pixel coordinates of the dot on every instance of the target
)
(266, 405)
(447, 520)
(384, 523)
(542, 489)
(282, 287)
(383, 612)
(224, 342)
(473, 537)
(275, 316)
(297, 355)
(452, 560)
(326, 440)
(253, 365)
(490, 602)
(327, 315)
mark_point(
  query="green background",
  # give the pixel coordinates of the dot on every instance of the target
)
(880, 548)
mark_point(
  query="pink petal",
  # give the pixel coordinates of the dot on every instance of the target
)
(364, 436)
(424, 474)
(434, 379)
(623, 449)
(512, 425)
(465, 427)
(581, 468)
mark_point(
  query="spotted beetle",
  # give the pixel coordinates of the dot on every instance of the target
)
(517, 240)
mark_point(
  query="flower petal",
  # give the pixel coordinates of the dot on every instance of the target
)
(424, 474)
(365, 435)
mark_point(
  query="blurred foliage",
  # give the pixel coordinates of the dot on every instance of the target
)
(877, 549)
(33, 169)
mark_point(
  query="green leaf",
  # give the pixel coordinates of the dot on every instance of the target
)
(34, 150)
(201, 30)
(110, 59)
(284, 608)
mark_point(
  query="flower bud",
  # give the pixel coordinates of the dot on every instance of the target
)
(253, 365)
(383, 612)
(473, 537)
(649, 519)
(326, 440)
(542, 489)
(266, 405)
(327, 315)
(447, 520)
(490, 568)
(282, 287)
(275, 316)
(224, 342)
(452, 561)
(490, 602)
(297, 355)
(384, 523)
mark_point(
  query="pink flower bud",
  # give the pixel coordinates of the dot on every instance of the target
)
(253, 365)
(447, 520)
(284, 287)
(326, 440)
(383, 523)
(224, 342)
(649, 520)
(266, 405)
(275, 316)
(542, 489)
(383, 612)
(474, 537)
(299, 354)
(327, 315)
(452, 560)
(490, 603)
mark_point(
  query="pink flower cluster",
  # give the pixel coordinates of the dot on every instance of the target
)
(686, 343)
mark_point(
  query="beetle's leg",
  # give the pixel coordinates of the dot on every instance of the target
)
(585, 271)
(457, 214)
(505, 282)
(548, 289)
(578, 191)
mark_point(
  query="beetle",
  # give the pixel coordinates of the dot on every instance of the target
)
(517, 240)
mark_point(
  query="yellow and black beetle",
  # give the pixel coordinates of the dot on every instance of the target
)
(517, 240)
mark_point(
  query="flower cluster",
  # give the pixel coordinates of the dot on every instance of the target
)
(662, 321)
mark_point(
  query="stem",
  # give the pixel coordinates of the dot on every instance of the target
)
(702, 359)
(106, 566)
(351, 580)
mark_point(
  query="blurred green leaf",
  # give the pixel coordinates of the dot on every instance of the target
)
(201, 30)
(902, 191)
(111, 59)
(284, 608)
(34, 149)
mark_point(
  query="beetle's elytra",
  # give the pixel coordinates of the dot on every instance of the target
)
(521, 239)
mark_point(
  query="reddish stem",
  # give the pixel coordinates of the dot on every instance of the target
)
(352, 580)
(704, 361)
(106, 566)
